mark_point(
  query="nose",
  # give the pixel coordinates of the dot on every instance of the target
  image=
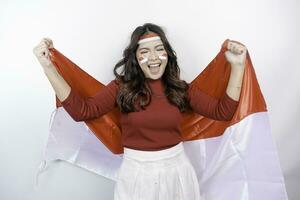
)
(153, 55)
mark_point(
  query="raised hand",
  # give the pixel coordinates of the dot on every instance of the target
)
(42, 53)
(236, 54)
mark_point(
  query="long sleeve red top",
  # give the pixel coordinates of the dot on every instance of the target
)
(158, 126)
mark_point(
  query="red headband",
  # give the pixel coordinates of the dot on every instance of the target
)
(148, 37)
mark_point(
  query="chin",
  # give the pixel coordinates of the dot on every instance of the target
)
(155, 76)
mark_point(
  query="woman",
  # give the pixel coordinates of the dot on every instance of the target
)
(151, 98)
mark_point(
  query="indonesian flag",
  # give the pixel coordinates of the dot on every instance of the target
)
(234, 160)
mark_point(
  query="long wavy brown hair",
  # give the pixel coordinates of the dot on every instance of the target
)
(132, 81)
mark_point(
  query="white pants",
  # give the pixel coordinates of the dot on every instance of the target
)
(156, 175)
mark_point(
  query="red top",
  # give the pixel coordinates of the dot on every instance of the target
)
(158, 126)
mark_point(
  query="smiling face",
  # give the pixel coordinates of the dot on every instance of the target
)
(152, 58)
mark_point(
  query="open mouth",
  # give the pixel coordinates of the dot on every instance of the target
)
(154, 65)
(154, 68)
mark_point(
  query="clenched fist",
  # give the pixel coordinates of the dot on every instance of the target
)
(42, 53)
(236, 54)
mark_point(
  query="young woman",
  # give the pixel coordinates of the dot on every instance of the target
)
(151, 98)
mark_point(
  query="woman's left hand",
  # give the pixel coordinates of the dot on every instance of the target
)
(236, 54)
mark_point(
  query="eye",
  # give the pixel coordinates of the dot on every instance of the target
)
(160, 49)
(142, 52)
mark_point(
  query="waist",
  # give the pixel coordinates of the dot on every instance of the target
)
(153, 155)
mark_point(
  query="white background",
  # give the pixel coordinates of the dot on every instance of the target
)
(94, 34)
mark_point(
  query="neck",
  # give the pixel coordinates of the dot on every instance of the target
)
(151, 80)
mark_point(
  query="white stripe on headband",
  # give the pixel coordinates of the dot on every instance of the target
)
(148, 39)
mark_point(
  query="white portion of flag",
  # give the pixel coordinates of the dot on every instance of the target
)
(242, 164)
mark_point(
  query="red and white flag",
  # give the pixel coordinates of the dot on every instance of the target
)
(235, 160)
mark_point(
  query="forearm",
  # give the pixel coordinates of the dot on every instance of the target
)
(235, 82)
(221, 109)
(60, 86)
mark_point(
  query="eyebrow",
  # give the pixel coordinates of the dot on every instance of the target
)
(148, 48)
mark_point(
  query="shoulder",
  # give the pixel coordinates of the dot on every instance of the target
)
(115, 83)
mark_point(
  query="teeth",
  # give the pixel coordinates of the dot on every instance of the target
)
(156, 65)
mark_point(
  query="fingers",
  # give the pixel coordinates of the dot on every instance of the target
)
(236, 48)
(42, 49)
(48, 42)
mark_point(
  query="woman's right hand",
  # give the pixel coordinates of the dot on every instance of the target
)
(41, 51)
